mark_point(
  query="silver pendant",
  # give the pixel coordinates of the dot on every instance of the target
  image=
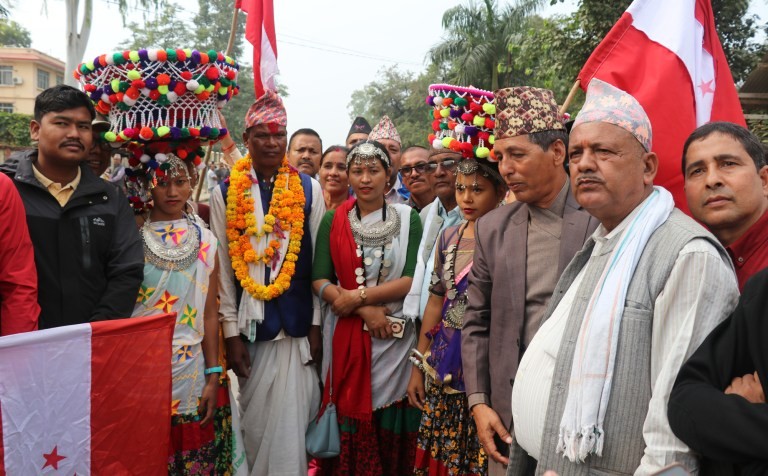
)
(387, 263)
(359, 271)
(360, 280)
(451, 294)
(368, 261)
(377, 253)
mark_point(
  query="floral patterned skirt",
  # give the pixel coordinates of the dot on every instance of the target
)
(384, 447)
(447, 441)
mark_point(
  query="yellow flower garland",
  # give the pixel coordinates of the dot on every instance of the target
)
(285, 208)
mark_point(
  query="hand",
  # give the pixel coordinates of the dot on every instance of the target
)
(315, 339)
(748, 387)
(550, 473)
(207, 406)
(347, 301)
(416, 394)
(488, 423)
(237, 357)
(375, 318)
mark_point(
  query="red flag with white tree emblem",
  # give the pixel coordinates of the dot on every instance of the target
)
(668, 56)
(87, 399)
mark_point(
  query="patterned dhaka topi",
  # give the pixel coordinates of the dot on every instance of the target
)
(385, 129)
(607, 103)
(524, 110)
(268, 109)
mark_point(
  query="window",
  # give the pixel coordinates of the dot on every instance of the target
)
(6, 107)
(59, 79)
(43, 79)
(6, 75)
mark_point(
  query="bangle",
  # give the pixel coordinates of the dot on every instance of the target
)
(322, 289)
(228, 148)
(213, 370)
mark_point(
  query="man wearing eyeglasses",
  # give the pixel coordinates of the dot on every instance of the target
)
(440, 172)
(414, 172)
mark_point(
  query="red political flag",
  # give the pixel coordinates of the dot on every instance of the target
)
(668, 56)
(87, 399)
(260, 32)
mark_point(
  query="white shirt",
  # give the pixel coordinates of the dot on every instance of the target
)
(227, 292)
(700, 292)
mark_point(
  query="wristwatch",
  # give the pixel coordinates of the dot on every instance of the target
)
(363, 296)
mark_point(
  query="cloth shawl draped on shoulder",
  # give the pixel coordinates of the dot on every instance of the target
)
(351, 345)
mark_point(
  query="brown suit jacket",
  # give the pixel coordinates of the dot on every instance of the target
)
(493, 323)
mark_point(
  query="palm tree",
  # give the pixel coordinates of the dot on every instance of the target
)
(476, 40)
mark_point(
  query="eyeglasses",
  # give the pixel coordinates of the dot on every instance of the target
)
(420, 168)
(447, 164)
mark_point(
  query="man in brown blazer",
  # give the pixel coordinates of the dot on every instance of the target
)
(521, 249)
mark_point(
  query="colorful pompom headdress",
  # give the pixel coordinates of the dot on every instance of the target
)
(463, 122)
(160, 94)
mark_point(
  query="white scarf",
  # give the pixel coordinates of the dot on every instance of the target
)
(251, 310)
(581, 428)
(411, 304)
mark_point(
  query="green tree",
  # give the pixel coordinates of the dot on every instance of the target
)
(13, 34)
(400, 95)
(163, 30)
(476, 40)
(14, 129)
(213, 23)
(737, 31)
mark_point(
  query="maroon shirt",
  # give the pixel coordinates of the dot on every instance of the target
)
(750, 252)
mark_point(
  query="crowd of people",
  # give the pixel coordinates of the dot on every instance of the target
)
(514, 296)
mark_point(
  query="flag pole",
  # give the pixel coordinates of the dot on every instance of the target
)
(206, 161)
(568, 99)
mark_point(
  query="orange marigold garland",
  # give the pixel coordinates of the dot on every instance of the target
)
(286, 214)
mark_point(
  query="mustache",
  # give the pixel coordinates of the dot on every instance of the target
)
(588, 178)
(73, 142)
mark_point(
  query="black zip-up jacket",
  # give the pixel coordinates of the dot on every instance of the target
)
(89, 256)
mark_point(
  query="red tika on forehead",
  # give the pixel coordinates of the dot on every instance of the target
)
(273, 127)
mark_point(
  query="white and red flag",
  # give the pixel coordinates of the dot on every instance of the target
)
(668, 56)
(87, 399)
(260, 32)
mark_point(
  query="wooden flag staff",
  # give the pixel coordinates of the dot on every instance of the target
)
(206, 161)
(568, 99)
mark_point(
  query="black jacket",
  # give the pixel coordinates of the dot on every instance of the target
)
(727, 428)
(88, 254)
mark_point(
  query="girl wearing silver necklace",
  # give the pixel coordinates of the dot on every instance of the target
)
(364, 262)
(181, 276)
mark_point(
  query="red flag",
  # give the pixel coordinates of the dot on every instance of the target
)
(668, 56)
(87, 399)
(260, 32)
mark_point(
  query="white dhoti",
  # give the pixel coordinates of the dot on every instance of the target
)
(277, 403)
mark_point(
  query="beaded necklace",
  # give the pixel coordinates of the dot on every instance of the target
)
(386, 243)
(457, 305)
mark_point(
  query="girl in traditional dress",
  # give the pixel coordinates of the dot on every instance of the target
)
(447, 442)
(181, 276)
(369, 248)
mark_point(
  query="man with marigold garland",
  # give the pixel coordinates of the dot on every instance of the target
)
(266, 217)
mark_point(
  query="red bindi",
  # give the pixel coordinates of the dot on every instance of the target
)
(273, 127)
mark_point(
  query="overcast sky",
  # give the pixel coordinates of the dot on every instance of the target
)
(326, 48)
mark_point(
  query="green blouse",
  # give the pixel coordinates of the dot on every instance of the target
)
(322, 267)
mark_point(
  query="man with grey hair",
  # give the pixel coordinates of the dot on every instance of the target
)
(592, 388)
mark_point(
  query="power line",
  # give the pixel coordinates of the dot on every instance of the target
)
(347, 52)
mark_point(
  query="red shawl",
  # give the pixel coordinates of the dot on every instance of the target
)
(351, 345)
